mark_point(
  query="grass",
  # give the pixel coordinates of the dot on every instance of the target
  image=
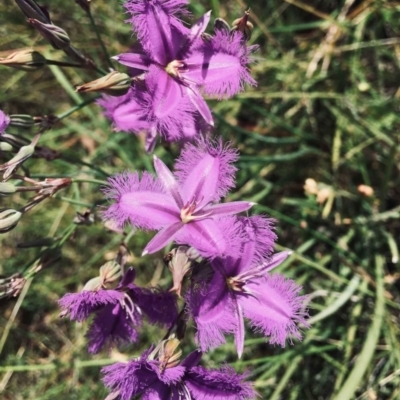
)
(326, 108)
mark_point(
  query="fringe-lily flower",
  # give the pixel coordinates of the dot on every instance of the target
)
(183, 206)
(156, 375)
(118, 312)
(176, 64)
(242, 287)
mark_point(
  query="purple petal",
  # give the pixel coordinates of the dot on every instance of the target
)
(276, 308)
(142, 201)
(134, 60)
(111, 326)
(200, 104)
(234, 207)
(162, 238)
(222, 384)
(276, 259)
(80, 305)
(168, 180)
(192, 359)
(4, 122)
(239, 331)
(220, 65)
(205, 171)
(160, 307)
(128, 278)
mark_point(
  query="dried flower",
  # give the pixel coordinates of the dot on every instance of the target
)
(115, 84)
(26, 60)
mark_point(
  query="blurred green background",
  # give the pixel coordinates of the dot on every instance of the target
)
(326, 110)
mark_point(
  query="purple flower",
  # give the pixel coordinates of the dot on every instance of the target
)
(118, 311)
(242, 287)
(4, 122)
(155, 378)
(176, 63)
(182, 206)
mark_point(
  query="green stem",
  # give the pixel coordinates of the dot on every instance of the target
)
(103, 47)
(76, 108)
(64, 64)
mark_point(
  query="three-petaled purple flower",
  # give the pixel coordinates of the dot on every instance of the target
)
(155, 378)
(242, 287)
(118, 312)
(4, 121)
(183, 206)
(176, 64)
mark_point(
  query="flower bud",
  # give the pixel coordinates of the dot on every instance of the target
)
(110, 274)
(9, 219)
(115, 84)
(4, 121)
(32, 10)
(56, 36)
(85, 4)
(243, 25)
(7, 189)
(179, 265)
(11, 286)
(221, 24)
(6, 146)
(93, 285)
(11, 166)
(27, 60)
(21, 120)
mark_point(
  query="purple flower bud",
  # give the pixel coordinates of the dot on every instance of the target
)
(33, 10)
(56, 36)
(4, 122)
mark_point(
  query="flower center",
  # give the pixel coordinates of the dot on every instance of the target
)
(172, 68)
(235, 283)
(189, 209)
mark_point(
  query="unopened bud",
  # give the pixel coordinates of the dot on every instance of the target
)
(56, 36)
(7, 189)
(243, 25)
(32, 10)
(110, 274)
(21, 120)
(179, 265)
(115, 84)
(93, 285)
(6, 146)
(9, 219)
(85, 4)
(27, 60)
(220, 24)
(11, 286)
(11, 166)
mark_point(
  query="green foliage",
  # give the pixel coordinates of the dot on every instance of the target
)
(326, 108)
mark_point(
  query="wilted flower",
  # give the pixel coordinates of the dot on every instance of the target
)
(4, 122)
(26, 60)
(182, 206)
(115, 84)
(158, 375)
(242, 287)
(118, 312)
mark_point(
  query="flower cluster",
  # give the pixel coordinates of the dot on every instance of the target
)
(172, 66)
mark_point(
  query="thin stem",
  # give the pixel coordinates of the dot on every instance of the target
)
(65, 64)
(103, 47)
(76, 108)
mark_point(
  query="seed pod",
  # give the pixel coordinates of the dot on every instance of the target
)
(9, 219)
(115, 84)
(110, 274)
(56, 36)
(21, 120)
(7, 189)
(27, 60)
